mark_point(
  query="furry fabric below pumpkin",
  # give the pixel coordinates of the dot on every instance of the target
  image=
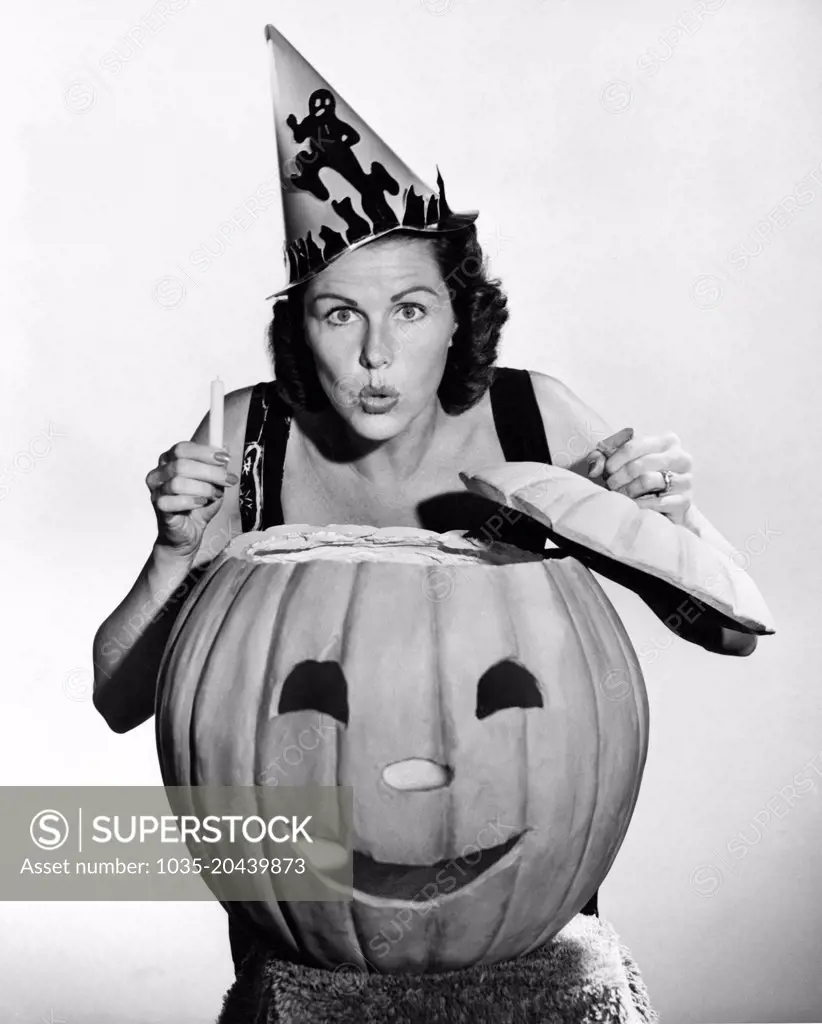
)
(583, 976)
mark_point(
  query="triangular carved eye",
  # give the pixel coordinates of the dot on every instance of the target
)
(507, 685)
(316, 686)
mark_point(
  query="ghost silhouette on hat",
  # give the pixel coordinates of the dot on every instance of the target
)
(341, 184)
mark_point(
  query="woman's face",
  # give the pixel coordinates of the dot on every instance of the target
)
(380, 316)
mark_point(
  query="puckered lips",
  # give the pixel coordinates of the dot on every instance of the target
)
(379, 391)
(378, 398)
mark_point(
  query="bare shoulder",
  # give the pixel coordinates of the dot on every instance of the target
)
(572, 427)
(226, 524)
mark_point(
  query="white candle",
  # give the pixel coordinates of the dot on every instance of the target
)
(215, 415)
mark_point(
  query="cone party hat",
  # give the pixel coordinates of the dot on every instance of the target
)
(342, 186)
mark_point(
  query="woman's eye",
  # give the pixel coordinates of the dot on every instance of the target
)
(411, 311)
(340, 316)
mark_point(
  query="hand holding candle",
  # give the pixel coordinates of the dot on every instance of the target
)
(215, 415)
(189, 482)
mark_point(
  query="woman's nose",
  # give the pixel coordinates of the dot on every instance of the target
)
(378, 346)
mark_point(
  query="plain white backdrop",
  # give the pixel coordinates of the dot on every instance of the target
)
(649, 180)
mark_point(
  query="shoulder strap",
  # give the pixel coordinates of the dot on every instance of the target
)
(261, 476)
(517, 417)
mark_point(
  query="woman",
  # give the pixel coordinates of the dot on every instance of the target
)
(380, 316)
(386, 389)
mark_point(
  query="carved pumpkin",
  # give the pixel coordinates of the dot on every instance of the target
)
(470, 687)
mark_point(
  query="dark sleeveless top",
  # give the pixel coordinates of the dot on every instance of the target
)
(519, 428)
(521, 436)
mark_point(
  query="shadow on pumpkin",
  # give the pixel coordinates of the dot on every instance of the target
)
(482, 518)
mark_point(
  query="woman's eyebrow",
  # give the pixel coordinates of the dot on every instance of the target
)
(394, 298)
(334, 295)
(413, 288)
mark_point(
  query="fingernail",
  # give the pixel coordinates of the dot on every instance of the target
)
(232, 478)
(595, 464)
(222, 457)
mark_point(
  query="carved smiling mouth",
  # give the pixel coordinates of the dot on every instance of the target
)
(425, 881)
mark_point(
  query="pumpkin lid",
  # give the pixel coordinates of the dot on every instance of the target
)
(612, 524)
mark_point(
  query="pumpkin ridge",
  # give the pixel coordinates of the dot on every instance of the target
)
(352, 612)
(162, 696)
(295, 572)
(611, 613)
(561, 583)
(270, 681)
(447, 728)
(199, 697)
(642, 720)
(594, 587)
(502, 920)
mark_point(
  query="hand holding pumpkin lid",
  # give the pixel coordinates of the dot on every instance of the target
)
(612, 524)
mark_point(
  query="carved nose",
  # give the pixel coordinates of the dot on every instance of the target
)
(416, 773)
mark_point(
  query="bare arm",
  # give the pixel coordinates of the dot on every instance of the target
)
(696, 522)
(128, 647)
(573, 430)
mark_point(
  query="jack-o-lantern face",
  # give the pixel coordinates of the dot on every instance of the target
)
(494, 737)
(320, 687)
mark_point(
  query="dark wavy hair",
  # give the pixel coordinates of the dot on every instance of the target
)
(480, 310)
